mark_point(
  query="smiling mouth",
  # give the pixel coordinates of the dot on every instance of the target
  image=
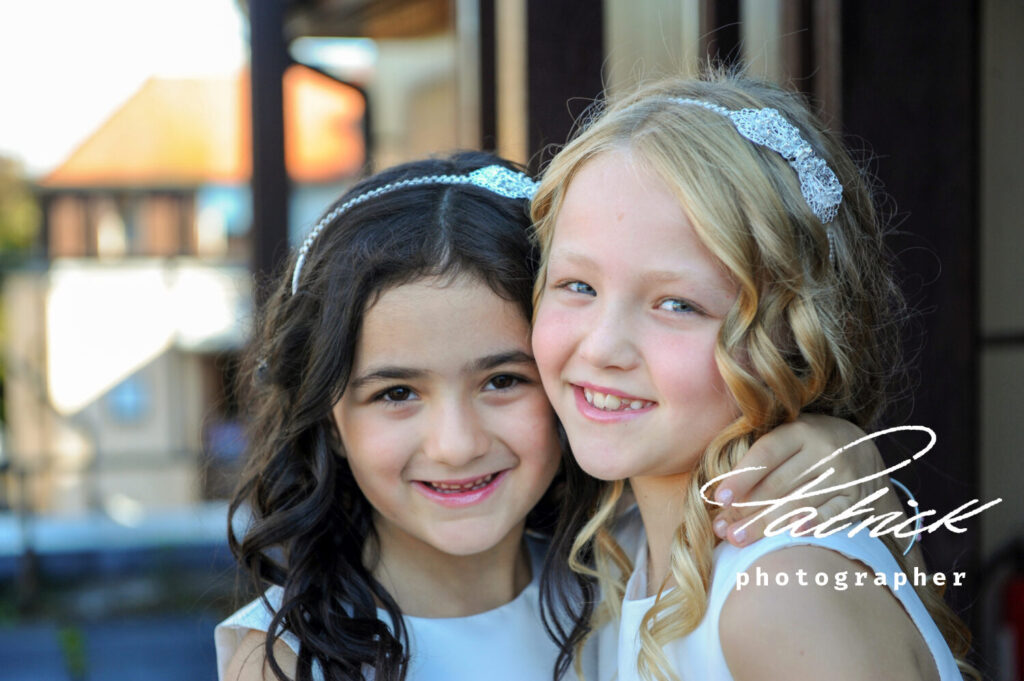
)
(461, 493)
(606, 402)
(460, 486)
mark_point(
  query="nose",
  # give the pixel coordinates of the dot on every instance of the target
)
(456, 434)
(607, 342)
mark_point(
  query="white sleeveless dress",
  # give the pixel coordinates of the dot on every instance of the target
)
(699, 657)
(508, 643)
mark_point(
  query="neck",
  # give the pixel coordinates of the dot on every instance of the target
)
(426, 582)
(660, 500)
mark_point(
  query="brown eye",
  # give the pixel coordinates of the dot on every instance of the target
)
(503, 382)
(399, 393)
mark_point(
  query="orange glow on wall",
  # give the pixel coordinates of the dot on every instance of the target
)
(322, 126)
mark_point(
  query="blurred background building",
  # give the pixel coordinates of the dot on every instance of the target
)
(129, 265)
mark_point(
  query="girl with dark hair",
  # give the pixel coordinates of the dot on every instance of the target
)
(401, 446)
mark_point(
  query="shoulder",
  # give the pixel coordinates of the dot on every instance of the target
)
(788, 626)
(240, 639)
(249, 662)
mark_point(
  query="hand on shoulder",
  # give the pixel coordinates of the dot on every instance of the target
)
(803, 631)
(249, 662)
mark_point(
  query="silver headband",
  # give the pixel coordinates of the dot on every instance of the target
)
(494, 178)
(768, 128)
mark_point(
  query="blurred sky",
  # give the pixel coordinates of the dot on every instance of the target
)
(66, 65)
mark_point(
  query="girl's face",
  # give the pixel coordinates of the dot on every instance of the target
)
(444, 422)
(626, 326)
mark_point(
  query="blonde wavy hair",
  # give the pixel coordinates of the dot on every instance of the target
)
(804, 334)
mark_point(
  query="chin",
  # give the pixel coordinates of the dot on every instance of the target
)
(467, 540)
(464, 546)
(605, 466)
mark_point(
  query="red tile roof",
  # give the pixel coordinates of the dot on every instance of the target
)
(176, 132)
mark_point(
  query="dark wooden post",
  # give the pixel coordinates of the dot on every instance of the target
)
(488, 77)
(565, 52)
(269, 176)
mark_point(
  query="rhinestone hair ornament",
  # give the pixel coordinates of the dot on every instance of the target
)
(494, 178)
(767, 127)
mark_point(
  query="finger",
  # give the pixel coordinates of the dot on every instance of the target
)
(797, 517)
(767, 454)
(831, 509)
(778, 484)
(827, 435)
(795, 471)
(749, 530)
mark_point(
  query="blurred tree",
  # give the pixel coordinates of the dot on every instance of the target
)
(19, 223)
(19, 211)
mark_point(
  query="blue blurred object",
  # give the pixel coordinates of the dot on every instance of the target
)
(137, 649)
(225, 440)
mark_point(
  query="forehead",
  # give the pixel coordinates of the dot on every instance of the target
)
(439, 319)
(619, 214)
(615, 185)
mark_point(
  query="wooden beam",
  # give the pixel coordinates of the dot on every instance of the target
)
(269, 58)
(565, 54)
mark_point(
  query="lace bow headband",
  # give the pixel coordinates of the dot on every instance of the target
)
(494, 178)
(769, 128)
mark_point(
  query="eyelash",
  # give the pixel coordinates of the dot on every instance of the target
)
(691, 308)
(516, 381)
(574, 286)
(383, 395)
(571, 287)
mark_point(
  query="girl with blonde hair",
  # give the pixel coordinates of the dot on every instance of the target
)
(712, 265)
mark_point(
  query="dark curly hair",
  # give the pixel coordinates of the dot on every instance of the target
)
(309, 522)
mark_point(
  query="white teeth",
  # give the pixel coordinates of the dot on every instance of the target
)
(612, 402)
(448, 488)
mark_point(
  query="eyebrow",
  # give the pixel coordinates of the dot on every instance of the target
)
(647, 275)
(396, 373)
(575, 258)
(386, 374)
(499, 358)
(656, 276)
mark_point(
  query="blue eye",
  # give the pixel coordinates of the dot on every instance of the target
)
(503, 382)
(580, 287)
(676, 305)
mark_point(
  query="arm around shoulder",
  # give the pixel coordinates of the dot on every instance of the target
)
(249, 663)
(801, 631)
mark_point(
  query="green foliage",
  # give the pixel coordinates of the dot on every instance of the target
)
(20, 220)
(72, 648)
(19, 210)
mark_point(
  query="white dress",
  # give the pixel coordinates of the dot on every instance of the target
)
(508, 643)
(699, 657)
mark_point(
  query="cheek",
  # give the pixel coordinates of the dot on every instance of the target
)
(530, 431)
(375, 445)
(552, 339)
(691, 374)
